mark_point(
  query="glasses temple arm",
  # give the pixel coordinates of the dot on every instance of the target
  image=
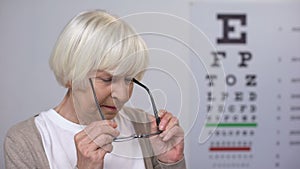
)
(96, 99)
(151, 98)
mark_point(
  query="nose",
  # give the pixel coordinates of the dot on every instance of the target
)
(120, 91)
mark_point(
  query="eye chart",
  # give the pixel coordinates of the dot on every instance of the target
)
(257, 45)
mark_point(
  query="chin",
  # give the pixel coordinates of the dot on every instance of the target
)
(109, 116)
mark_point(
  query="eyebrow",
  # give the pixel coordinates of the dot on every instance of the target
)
(104, 72)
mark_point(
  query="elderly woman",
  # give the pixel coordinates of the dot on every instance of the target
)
(98, 58)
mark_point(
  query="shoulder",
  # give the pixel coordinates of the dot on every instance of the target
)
(23, 135)
(22, 130)
(23, 146)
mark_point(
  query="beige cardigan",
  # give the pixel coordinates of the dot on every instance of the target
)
(23, 146)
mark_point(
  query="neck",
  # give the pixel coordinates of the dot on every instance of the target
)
(66, 108)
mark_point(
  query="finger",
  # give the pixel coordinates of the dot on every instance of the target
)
(79, 135)
(101, 127)
(164, 120)
(162, 112)
(104, 144)
(107, 148)
(103, 139)
(97, 154)
(81, 138)
(101, 151)
(84, 148)
(173, 122)
(101, 123)
(176, 131)
(95, 133)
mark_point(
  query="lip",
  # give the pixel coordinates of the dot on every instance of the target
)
(112, 108)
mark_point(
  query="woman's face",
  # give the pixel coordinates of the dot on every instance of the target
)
(112, 92)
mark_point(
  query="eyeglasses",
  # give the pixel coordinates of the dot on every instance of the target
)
(133, 136)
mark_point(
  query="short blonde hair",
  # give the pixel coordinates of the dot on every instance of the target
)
(96, 40)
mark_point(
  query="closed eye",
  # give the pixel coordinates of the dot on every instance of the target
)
(105, 80)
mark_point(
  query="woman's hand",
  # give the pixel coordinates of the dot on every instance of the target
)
(169, 145)
(93, 143)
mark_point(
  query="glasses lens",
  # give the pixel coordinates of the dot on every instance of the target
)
(138, 94)
(143, 97)
(140, 99)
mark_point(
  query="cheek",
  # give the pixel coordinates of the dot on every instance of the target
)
(130, 91)
(83, 99)
(84, 106)
(103, 93)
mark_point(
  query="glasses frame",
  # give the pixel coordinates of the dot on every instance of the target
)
(133, 136)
